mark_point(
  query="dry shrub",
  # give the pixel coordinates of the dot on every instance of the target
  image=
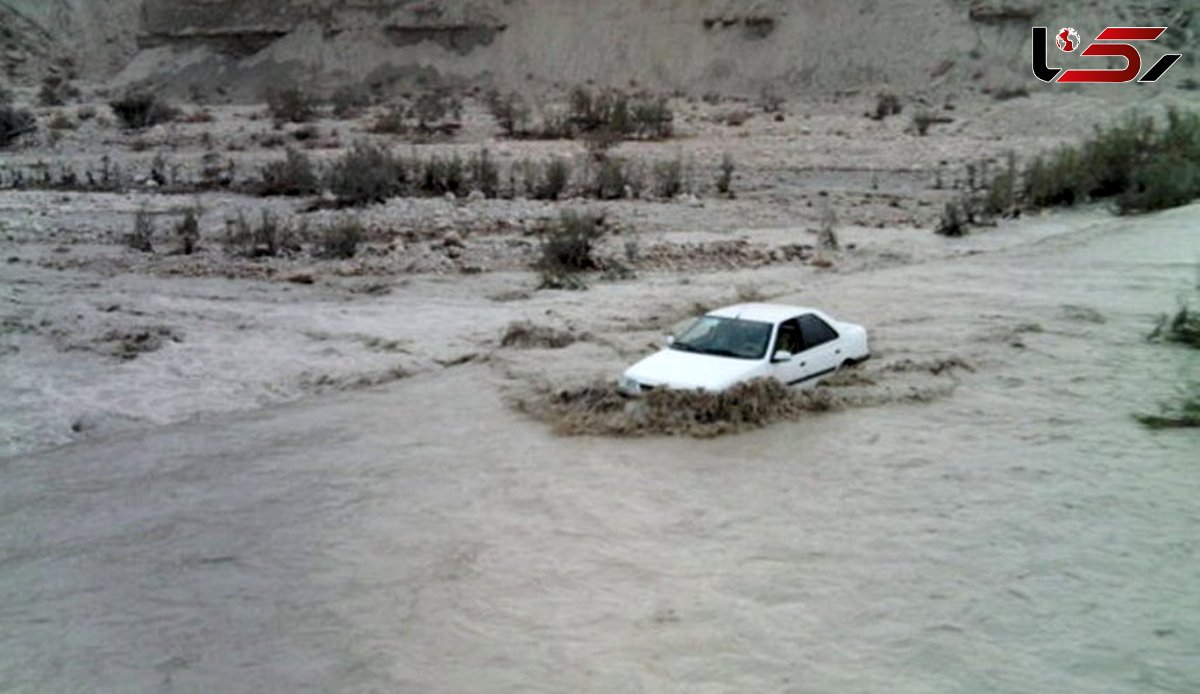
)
(526, 335)
(142, 109)
(292, 104)
(599, 409)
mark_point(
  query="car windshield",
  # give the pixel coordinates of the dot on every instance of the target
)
(725, 337)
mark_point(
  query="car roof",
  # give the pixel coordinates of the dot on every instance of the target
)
(770, 313)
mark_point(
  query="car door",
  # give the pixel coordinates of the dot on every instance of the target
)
(821, 350)
(789, 339)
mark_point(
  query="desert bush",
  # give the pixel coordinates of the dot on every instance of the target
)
(291, 105)
(142, 236)
(610, 180)
(510, 111)
(725, 175)
(393, 121)
(1182, 327)
(15, 122)
(553, 180)
(826, 227)
(886, 104)
(366, 174)
(340, 240)
(770, 100)
(142, 109)
(56, 91)
(485, 176)
(435, 107)
(611, 115)
(953, 222)
(567, 249)
(1181, 415)
(348, 101)
(188, 231)
(268, 239)
(1001, 197)
(1010, 92)
(668, 178)
(292, 175)
(924, 119)
(440, 176)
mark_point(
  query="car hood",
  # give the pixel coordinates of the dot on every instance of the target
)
(688, 370)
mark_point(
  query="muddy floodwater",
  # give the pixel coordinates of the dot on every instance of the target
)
(1019, 533)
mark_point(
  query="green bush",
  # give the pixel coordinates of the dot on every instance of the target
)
(366, 174)
(567, 249)
(142, 109)
(292, 175)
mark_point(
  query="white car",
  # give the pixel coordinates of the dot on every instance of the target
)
(792, 344)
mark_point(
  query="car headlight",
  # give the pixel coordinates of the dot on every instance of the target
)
(629, 385)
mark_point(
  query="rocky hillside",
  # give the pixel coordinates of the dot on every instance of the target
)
(214, 47)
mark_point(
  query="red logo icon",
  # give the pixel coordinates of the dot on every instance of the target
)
(1112, 42)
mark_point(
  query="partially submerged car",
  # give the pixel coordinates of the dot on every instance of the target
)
(792, 344)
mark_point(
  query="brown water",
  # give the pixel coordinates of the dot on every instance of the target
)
(1024, 534)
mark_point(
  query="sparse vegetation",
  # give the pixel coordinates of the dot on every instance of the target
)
(886, 104)
(268, 239)
(953, 222)
(485, 176)
(603, 118)
(1182, 327)
(291, 105)
(552, 181)
(366, 174)
(567, 248)
(668, 178)
(348, 102)
(142, 109)
(56, 91)
(340, 240)
(826, 230)
(292, 175)
(14, 122)
(1141, 163)
(1184, 414)
(142, 236)
(188, 231)
(924, 119)
(725, 175)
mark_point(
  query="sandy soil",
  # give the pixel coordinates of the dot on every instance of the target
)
(297, 473)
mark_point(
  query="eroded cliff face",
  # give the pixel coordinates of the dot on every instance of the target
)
(239, 48)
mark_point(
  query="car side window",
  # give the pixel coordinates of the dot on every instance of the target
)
(815, 331)
(789, 337)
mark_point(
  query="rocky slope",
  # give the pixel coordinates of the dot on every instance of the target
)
(238, 49)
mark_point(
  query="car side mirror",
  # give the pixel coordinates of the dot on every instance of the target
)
(669, 340)
(781, 356)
